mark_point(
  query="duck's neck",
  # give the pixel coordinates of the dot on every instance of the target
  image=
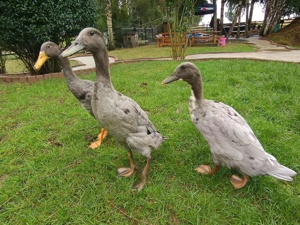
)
(67, 69)
(102, 68)
(197, 88)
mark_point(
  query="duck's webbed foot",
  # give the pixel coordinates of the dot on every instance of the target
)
(144, 176)
(101, 136)
(238, 182)
(205, 169)
(127, 172)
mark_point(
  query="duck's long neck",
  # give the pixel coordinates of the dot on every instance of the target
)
(197, 88)
(102, 68)
(67, 69)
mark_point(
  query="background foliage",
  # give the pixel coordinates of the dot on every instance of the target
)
(26, 24)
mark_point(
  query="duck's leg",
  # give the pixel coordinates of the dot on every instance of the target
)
(127, 172)
(204, 169)
(238, 182)
(144, 175)
(101, 136)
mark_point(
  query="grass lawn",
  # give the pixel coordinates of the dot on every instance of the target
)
(152, 51)
(147, 51)
(17, 66)
(49, 176)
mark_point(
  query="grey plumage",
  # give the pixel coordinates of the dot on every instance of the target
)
(120, 115)
(81, 89)
(231, 140)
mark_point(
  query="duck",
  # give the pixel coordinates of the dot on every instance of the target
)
(121, 116)
(232, 142)
(81, 89)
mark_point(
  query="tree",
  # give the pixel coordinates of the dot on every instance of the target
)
(146, 12)
(291, 6)
(273, 13)
(111, 39)
(236, 16)
(247, 19)
(127, 13)
(26, 24)
(2, 62)
(222, 15)
(180, 16)
(215, 16)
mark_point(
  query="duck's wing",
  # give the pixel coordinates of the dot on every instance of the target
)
(229, 134)
(83, 92)
(136, 115)
(141, 132)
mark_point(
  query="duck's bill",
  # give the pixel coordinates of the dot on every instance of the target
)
(74, 48)
(40, 61)
(169, 79)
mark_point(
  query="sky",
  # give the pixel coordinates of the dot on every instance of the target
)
(258, 14)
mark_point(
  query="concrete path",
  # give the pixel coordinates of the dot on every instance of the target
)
(267, 51)
(285, 56)
(87, 62)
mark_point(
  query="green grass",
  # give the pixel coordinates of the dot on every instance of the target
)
(14, 65)
(152, 51)
(49, 176)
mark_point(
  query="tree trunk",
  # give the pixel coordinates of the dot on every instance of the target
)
(111, 40)
(222, 15)
(237, 14)
(251, 12)
(215, 16)
(247, 19)
(2, 63)
(273, 13)
(238, 27)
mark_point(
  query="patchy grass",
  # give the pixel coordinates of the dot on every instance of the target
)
(49, 176)
(288, 35)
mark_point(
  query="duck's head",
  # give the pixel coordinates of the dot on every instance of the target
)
(48, 50)
(186, 71)
(89, 39)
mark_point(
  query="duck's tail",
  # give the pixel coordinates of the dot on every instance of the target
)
(283, 173)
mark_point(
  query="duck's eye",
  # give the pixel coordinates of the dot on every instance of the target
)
(183, 67)
(92, 33)
(48, 46)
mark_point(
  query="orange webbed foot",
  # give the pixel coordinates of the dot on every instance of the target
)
(205, 169)
(125, 172)
(238, 182)
(101, 136)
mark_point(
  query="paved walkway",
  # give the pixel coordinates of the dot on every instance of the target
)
(267, 51)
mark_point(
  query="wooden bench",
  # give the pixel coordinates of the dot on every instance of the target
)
(198, 37)
(164, 39)
(195, 37)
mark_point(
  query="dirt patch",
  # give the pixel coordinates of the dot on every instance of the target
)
(289, 35)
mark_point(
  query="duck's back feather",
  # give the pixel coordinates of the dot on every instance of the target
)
(232, 141)
(127, 122)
